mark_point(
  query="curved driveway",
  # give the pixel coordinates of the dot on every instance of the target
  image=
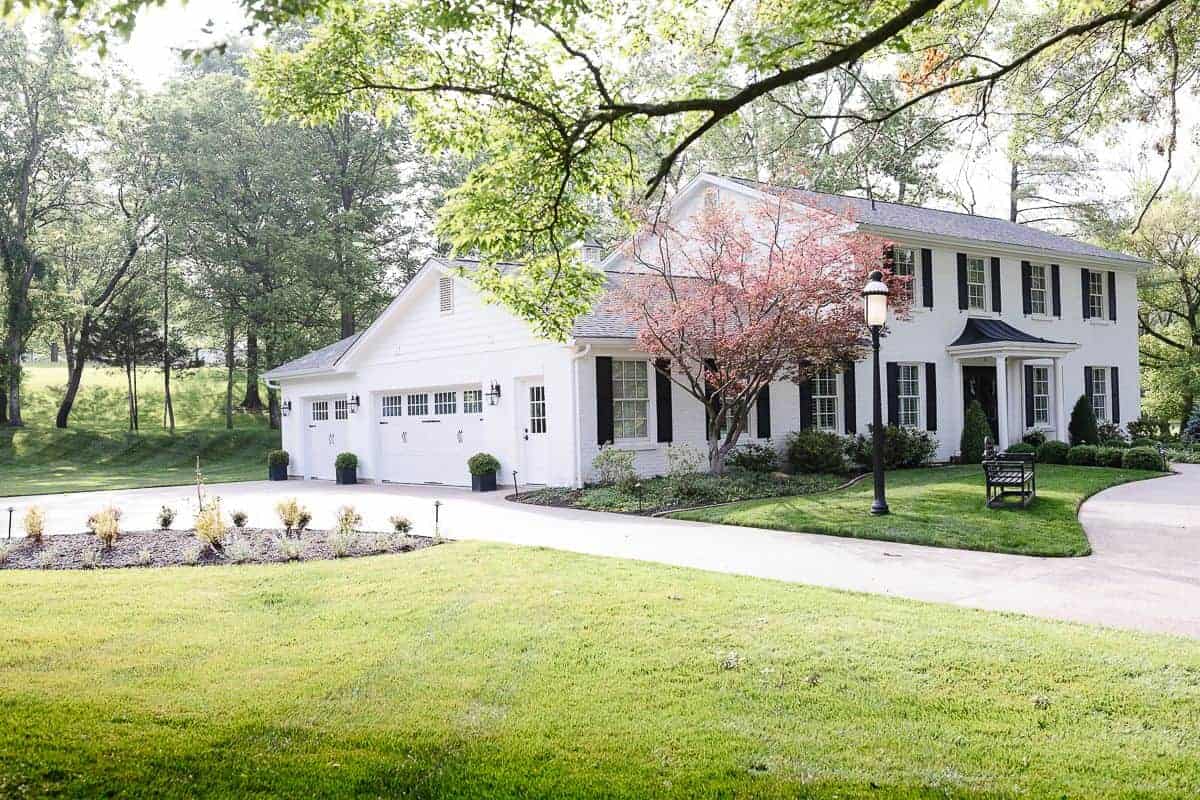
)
(1144, 574)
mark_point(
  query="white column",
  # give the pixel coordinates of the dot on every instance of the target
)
(956, 400)
(1002, 412)
(1060, 403)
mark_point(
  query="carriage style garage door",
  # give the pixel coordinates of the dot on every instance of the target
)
(427, 435)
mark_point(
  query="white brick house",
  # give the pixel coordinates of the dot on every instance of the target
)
(1023, 320)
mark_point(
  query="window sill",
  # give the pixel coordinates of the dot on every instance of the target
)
(1099, 321)
(1041, 317)
(975, 312)
(637, 445)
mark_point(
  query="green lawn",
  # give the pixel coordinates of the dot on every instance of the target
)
(940, 506)
(97, 451)
(485, 671)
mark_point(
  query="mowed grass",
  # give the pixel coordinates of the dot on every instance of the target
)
(98, 452)
(485, 671)
(940, 506)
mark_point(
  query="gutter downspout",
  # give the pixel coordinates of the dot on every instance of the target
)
(575, 358)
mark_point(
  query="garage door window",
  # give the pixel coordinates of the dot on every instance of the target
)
(445, 403)
(472, 401)
(340, 409)
(537, 409)
(391, 405)
(418, 405)
(320, 411)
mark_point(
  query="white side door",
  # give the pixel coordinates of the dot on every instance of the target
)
(326, 431)
(534, 434)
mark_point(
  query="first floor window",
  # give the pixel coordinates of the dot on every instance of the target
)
(418, 405)
(320, 410)
(905, 264)
(391, 405)
(473, 401)
(908, 387)
(825, 400)
(631, 397)
(976, 284)
(1096, 308)
(340, 409)
(1041, 395)
(445, 403)
(1100, 393)
(1037, 289)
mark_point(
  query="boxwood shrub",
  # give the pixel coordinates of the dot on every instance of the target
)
(1141, 458)
(902, 447)
(816, 451)
(753, 457)
(1024, 447)
(483, 464)
(1143, 441)
(346, 461)
(1082, 455)
(1053, 452)
(1109, 456)
(278, 458)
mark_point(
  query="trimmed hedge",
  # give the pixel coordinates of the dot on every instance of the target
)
(1109, 456)
(1082, 455)
(815, 451)
(754, 457)
(1082, 428)
(902, 447)
(483, 464)
(1143, 441)
(1024, 447)
(1142, 458)
(1053, 452)
(346, 461)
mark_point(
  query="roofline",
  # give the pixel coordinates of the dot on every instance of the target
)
(401, 295)
(1019, 348)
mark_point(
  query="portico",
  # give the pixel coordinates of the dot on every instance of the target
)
(1017, 378)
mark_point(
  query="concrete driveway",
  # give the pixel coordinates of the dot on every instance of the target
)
(1144, 574)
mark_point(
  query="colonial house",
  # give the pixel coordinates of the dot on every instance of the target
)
(1022, 320)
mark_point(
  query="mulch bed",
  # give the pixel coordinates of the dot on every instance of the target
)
(172, 548)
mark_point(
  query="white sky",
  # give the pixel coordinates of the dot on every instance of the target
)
(152, 52)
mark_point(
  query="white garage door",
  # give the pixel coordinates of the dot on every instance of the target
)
(327, 420)
(427, 435)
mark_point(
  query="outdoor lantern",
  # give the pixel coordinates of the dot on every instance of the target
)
(493, 394)
(286, 408)
(354, 403)
(875, 298)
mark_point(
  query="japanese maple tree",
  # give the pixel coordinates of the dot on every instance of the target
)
(737, 298)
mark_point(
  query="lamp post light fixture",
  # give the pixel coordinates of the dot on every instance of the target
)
(875, 306)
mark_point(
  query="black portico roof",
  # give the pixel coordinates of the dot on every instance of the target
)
(996, 331)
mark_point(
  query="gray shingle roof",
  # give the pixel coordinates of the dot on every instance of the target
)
(605, 321)
(317, 360)
(938, 222)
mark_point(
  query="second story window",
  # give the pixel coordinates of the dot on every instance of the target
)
(905, 264)
(976, 284)
(1096, 309)
(1037, 289)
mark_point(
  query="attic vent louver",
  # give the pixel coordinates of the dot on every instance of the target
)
(446, 294)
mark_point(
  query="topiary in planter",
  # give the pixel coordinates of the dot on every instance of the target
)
(346, 466)
(277, 464)
(975, 430)
(483, 468)
(1141, 458)
(1082, 455)
(1082, 428)
(1053, 452)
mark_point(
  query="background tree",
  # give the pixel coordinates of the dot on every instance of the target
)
(127, 338)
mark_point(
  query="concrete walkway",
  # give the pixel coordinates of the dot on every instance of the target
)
(1145, 573)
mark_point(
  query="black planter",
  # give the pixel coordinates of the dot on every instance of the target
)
(347, 475)
(483, 483)
(277, 472)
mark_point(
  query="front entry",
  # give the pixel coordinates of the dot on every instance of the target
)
(535, 440)
(979, 383)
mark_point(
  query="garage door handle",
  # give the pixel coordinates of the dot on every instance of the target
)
(383, 422)
(527, 434)
(460, 436)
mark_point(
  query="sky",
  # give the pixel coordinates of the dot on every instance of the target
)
(152, 52)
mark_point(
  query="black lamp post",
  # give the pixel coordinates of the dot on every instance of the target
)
(875, 296)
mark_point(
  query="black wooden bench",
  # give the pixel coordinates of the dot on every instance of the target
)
(1010, 475)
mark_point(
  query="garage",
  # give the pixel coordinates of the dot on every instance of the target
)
(326, 437)
(426, 435)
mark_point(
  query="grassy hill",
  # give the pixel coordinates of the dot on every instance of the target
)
(98, 452)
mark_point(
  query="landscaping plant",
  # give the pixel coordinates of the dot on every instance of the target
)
(903, 447)
(1035, 438)
(1053, 452)
(239, 519)
(1142, 458)
(1082, 428)
(347, 520)
(108, 526)
(346, 461)
(975, 430)
(400, 523)
(211, 528)
(290, 549)
(1110, 456)
(166, 516)
(289, 512)
(35, 524)
(753, 457)
(1082, 455)
(816, 451)
(614, 467)
(278, 458)
(483, 464)
(1023, 447)
(89, 558)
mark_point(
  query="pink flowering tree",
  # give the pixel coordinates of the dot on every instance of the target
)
(735, 299)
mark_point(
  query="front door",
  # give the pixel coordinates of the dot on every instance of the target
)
(535, 439)
(979, 383)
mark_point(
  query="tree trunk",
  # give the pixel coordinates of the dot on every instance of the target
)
(168, 407)
(348, 322)
(229, 367)
(253, 401)
(13, 373)
(1013, 185)
(273, 408)
(74, 378)
(129, 392)
(3, 400)
(137, 423)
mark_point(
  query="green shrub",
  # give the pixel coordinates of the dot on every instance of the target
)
(348, 520)
(483, 464)
(1110, 434)
(239, 519)
(975, 430)
(753, 457)
(278, 458)
(1035, 438)
(1109, 456)
(1141, 458)
(1082, 428)
(1191, 430)
(1143, 441)
(815, 451)
(107, 526)
(1147, 427)
(210, 525)
(614, 467)
(346, 461)
(1024, 447)
(166, 516)
(289, 512)
(400, 523)
(1053, 452)
(35, 524)
(902, 447)
(1082, 455)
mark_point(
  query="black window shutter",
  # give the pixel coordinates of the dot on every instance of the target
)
(1115, 391)
(893, 393)
(930, 396)
(962, 281)
(1083, 275)
(889, 257)
(662, 400)
(926, 277)
(1087, 383)
(1112, 296)
(850, 412)
(1055, 290)
(806, 406)
(1028, 396)
(996, 285)
(763, 407)
(604, 400)
(1026, 288)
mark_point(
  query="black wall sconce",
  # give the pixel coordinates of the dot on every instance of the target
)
(493, 394)
(354, 404)
(286, 408)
